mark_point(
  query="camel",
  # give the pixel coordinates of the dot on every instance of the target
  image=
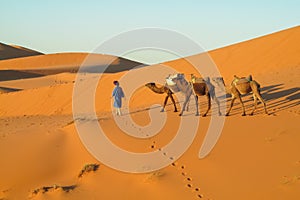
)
(239, 86)
(162, 90)
(198, 87)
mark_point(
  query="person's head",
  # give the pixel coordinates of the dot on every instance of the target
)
(116, 82)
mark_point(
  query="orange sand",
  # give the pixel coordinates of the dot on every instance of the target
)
(257, 157)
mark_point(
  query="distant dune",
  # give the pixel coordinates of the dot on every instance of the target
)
(14, 51)
(36, 66)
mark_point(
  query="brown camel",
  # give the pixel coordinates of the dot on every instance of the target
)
(203, 87)
(241, 86)
(162, 90)
(197, 87)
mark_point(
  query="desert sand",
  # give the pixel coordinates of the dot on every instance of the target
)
(256, 157)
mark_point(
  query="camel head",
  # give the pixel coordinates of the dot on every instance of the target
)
(150, 84)
(236, 77)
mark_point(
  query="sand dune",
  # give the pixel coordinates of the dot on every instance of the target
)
(278, 51)
(68, 62)
(14, 51)
(43, 65)
(275, 52)
(257, 157)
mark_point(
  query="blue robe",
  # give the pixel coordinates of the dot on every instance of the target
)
(118, 94)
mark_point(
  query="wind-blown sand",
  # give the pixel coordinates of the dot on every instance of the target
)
(257, 157)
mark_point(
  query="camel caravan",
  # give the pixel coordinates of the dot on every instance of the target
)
(203, 87)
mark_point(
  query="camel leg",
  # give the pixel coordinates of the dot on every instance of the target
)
(231, 104)
(244, 112)
(196, 101)
(187, 98)
(218, 103)
(165, 103)
(255, 104)
(188, 106)
(208, 106)
(262, 101)
(172, 98)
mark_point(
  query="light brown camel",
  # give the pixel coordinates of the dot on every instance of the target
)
(241, 86)
(197, 87)
(162, 90)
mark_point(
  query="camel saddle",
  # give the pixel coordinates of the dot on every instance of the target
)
(171, 84)
(197, 80)
(238, 81)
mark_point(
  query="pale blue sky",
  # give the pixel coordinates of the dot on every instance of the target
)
(79, 26)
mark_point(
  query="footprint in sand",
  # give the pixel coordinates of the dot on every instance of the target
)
(183, 173)
(189, 179)
(153, 145)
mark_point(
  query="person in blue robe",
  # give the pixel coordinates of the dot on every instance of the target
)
(118, 94)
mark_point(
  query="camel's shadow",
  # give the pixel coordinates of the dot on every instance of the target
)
(279, 99)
